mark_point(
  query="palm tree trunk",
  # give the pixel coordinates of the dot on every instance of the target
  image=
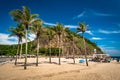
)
(17, 53)
(25, 64)
(73, 54)
(37, 52)
(21, 51)
(73, 51)
(50, 52)
(59, 51)
(85, 51)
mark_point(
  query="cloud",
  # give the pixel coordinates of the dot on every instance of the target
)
(107, 47)
(109, 32)
(71, 26)
(102, 14)
(89, 32)
(51, 24)
(6, 40)
(110, 50)
(113, 52)
(32, 37)
(80, 15)
(96, 38)
(88, 13)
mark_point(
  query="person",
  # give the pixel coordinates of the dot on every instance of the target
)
(117, 59)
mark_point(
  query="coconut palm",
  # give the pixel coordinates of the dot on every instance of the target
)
(25, 17)
(82, 28)
(37, 29)
(19, 32)
(59, 30)
(70, 36)
(50, 34)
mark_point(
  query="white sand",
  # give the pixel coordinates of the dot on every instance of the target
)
(65, 71)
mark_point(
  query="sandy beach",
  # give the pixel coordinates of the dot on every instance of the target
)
(66, 71)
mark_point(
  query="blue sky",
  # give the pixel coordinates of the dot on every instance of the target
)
(101, 16)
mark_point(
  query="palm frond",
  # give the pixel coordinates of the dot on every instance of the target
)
(17, 15)
(27, 13)
(34, 15)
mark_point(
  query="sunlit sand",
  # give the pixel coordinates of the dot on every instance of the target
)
(66, 71)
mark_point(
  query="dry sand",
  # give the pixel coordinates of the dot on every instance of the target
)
(65, 71)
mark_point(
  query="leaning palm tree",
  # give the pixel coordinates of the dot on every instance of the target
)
(18, 31)
(59, 30)
(82, 28)
(26, 18)
(37, 29)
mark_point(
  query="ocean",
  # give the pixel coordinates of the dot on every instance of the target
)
(115, 57)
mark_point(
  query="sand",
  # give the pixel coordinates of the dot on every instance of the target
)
(66, 71)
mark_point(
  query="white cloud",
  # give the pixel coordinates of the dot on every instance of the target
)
(101, 14)
(89, 13)
(89, 32)
(32, 37)
(80, 15)
(109, 32)
(51, 24)
(96, 38)
(5, 39)
(71, 26)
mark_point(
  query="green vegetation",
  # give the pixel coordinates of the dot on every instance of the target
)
(10, 50)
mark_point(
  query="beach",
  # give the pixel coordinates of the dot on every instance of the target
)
(66, 71)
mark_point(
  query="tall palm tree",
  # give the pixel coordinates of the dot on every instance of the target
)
(18, 31)
(37, 29)
(25, 17)
(50, 34)
(82, 28)
(71, 38)
(22, 36)
(59, 30)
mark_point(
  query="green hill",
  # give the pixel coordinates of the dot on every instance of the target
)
(67, 45)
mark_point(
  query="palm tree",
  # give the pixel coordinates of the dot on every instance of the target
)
(71, 38)
(50, 34)
(37, 29)
(22, 36)
(25, 17)
(18, 31)
(82, 28)
(59, 30)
